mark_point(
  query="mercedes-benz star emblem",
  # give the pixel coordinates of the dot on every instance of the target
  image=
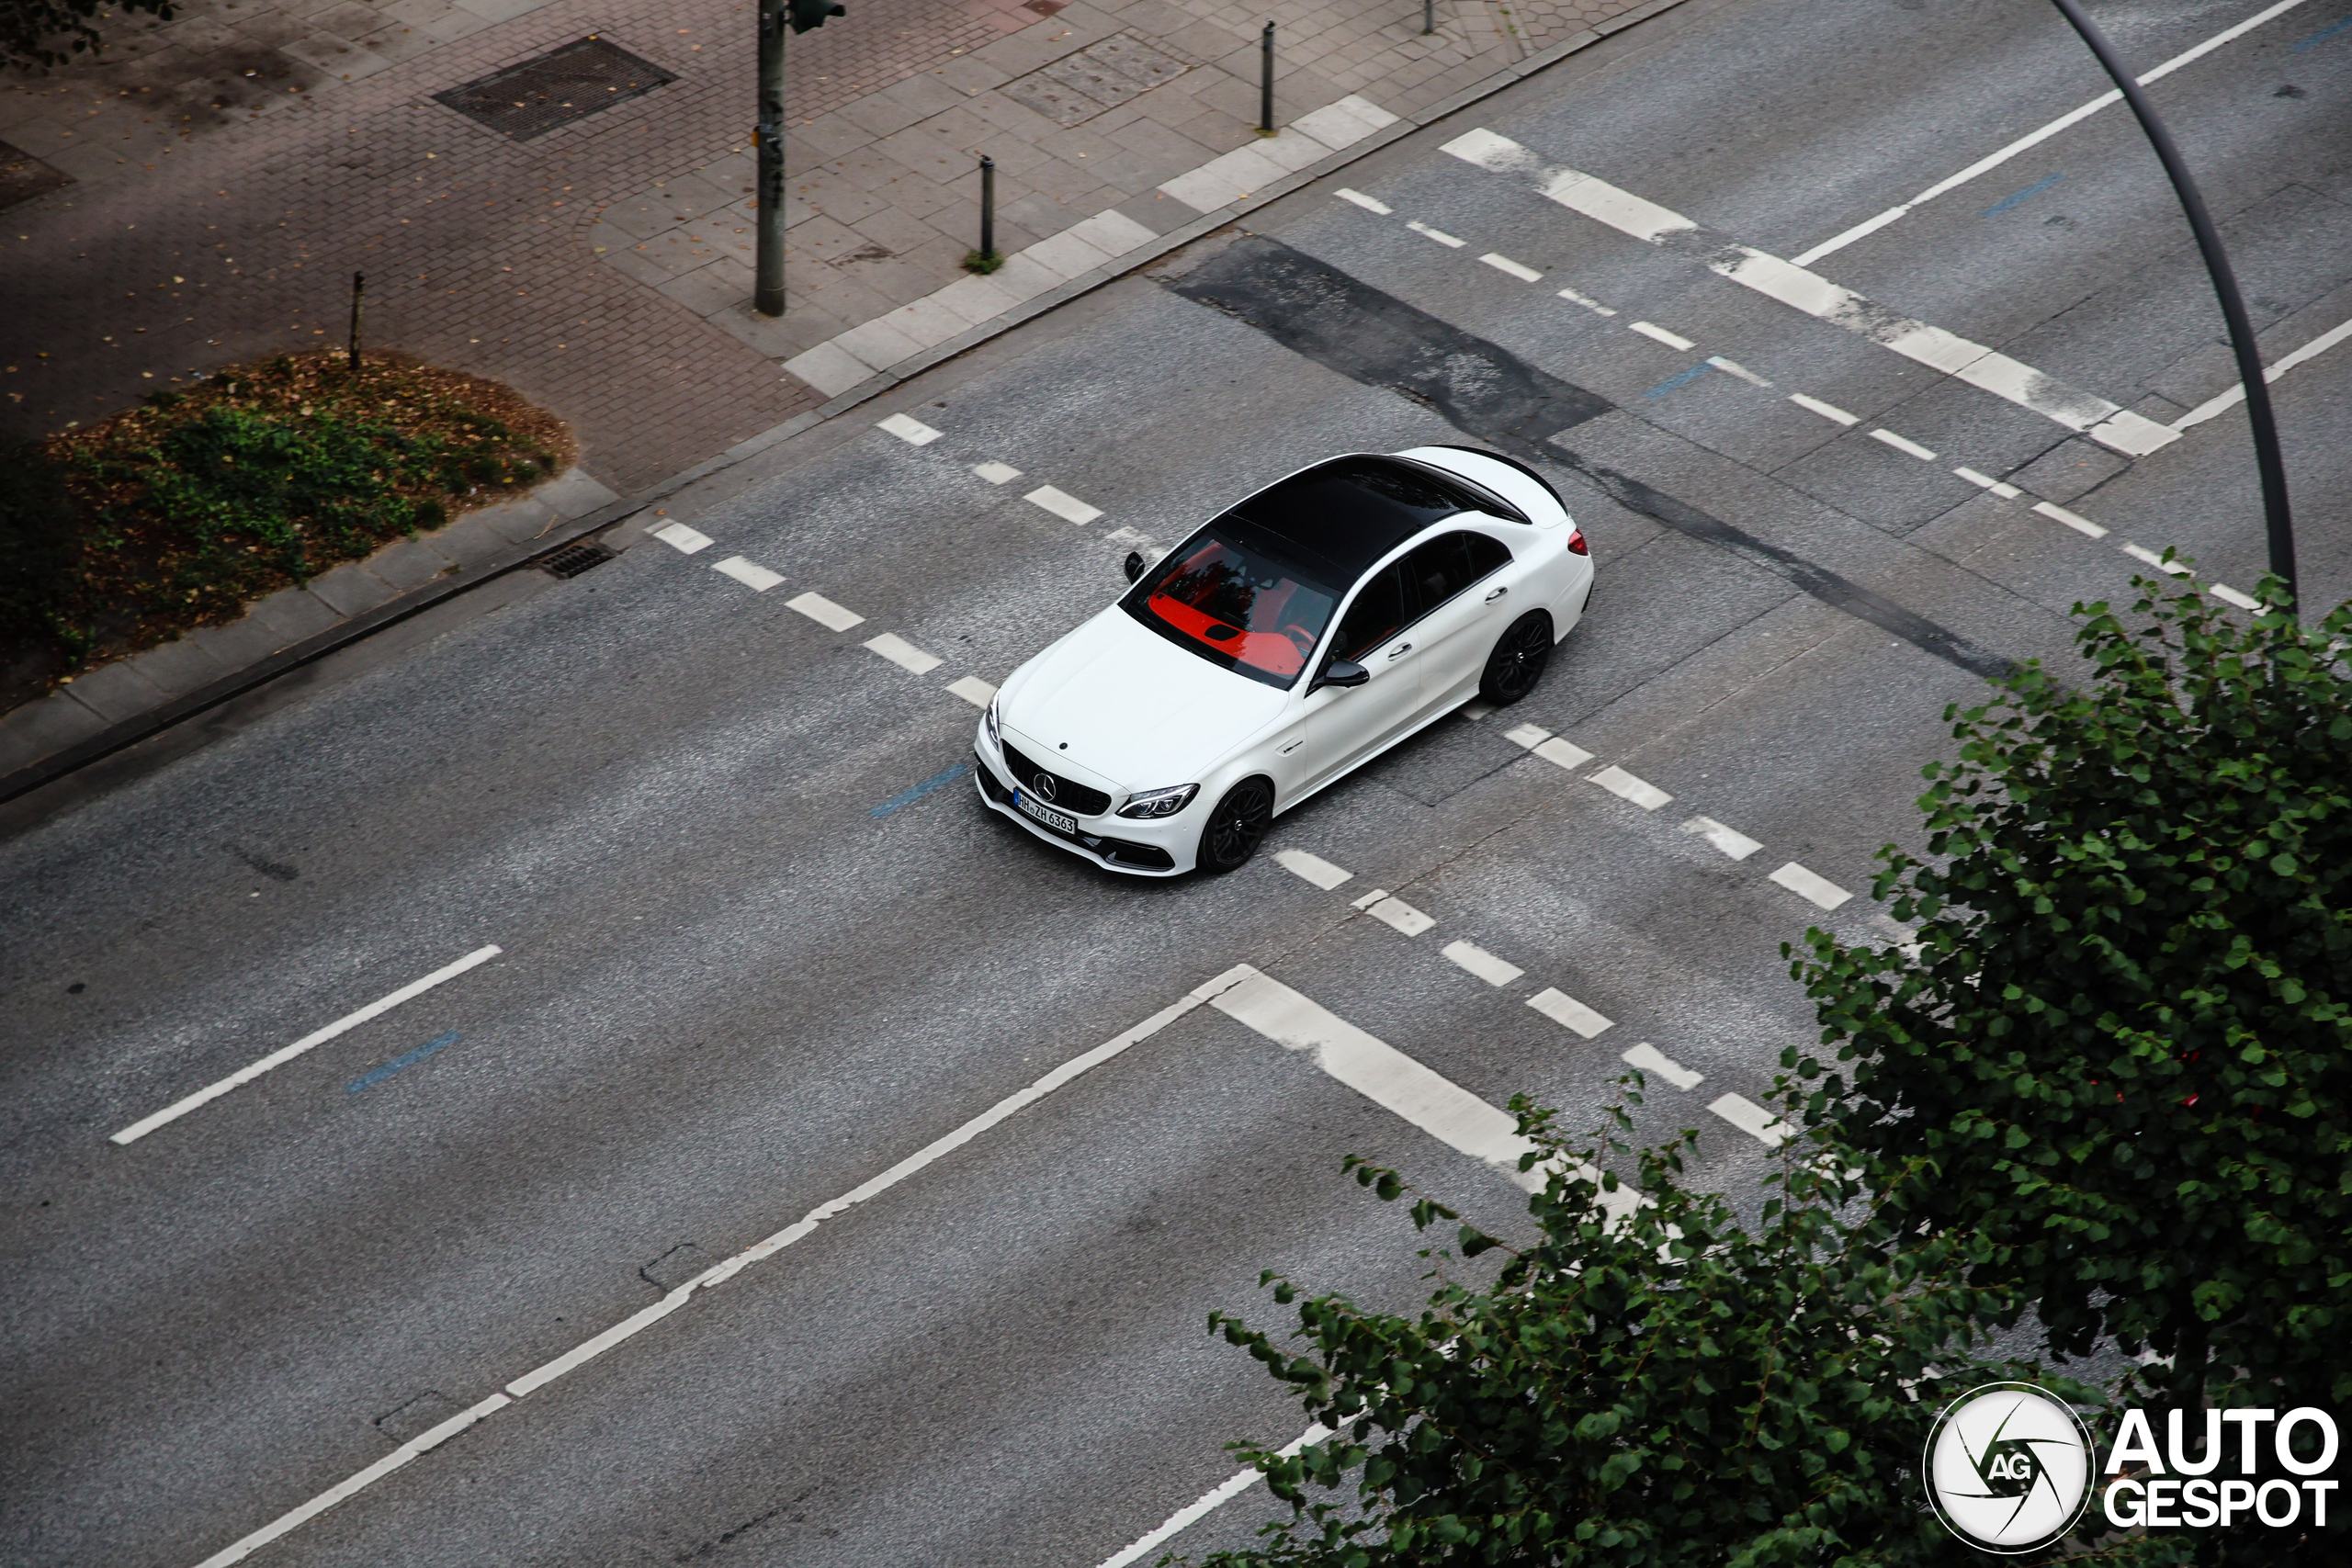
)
(1044, 785)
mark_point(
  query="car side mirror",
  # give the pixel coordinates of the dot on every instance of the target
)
(1134, 565)
(1342, 673)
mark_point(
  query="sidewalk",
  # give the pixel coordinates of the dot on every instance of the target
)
(203, 198)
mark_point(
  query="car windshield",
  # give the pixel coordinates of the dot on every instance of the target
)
(1236, 605)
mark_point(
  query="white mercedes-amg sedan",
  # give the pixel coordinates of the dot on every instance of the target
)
(1303, 632)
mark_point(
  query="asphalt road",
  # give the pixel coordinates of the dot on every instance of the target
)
(731, 988)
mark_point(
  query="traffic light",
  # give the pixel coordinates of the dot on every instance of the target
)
(807, 14)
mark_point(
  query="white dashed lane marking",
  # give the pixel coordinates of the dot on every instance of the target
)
(2075, 521)
(1367, 203)
(1987, 482)
(286, 1054)
(1742, 371)
(2142, 553)
(997, 473)
(1901, 444)
(914, 432)
(1624, 786)
(1595, 306)
(1396, 912)
(1439, 235)
(2105, 422)
(1504, 263)
(1811, 885)
(1830, 412)
(1752, 1119)
(1568, 1012)
(1550, 747)
(904, 654)
(1067, 507)
(1650, 1059)
(1313, 868)
(1484, 965)
(973, 690)
(681, 538)
(1672, 340)
(825, 613)
(1733, 842)
(750, 573)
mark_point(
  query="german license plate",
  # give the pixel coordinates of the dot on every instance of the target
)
(1045, 814)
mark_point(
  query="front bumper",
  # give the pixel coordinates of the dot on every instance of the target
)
(1139, 855)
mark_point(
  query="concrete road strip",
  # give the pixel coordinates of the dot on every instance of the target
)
(284, 1054)
(2103, 421)
(2036, 137)
(596, 1345)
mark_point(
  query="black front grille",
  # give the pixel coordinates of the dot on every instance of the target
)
(1066, 795)
(1118, 852)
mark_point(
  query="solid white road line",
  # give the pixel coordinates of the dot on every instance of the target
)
(1650, 1059)
(914, 432)
(1441, 237)
(1568, 1012)
(1067, 507)
(824, 612)
(1504, 263)
(1624, 786)
(2142, 553)
(973, 690)
(1742, 371)
(1672, 340)
(1367, 203)
(750, 573)
(1809, 884)
(277, 1059)
(2236, 394)
(1313, 868)
(721, 1273)
(1733, 842)
(1826, 411)
(2107, 423)
(1595, 306)
(1752, 1119)
(1393, 912)
(1215, 1498)
(2035, 138)
(1910, 447)
(2075, 521)
(997, 473)
(1484, 965)
(681, 538)
(904, 654)
(1383, 1073)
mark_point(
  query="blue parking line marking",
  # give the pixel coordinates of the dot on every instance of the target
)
(2034, 189)
(1673, 381)
(2320, 36)
(909, 796)
(397, 1063)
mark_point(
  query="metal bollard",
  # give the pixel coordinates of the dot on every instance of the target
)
(988, 208)
(1428, 18)
(1266, 82)
(358, 283)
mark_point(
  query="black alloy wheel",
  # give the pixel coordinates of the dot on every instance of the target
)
(1236, 827)
(1518, 661)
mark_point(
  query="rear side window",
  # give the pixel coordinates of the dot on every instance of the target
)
(1451, 562)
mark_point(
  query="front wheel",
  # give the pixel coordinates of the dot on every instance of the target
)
(1518, 661)
(1231, 835)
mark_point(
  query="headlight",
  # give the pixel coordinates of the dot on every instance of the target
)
(989, 723)
(1157, 803)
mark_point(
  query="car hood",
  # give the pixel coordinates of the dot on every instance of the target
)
(1136, 710)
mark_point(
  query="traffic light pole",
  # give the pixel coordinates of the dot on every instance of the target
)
(768, 140)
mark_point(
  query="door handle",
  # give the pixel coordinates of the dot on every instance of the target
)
(1400, 649)
(1292, 747)
(1497, 595)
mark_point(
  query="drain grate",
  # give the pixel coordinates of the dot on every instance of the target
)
(556, 89)
(574, 559)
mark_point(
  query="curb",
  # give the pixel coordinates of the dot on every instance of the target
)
(131, 731)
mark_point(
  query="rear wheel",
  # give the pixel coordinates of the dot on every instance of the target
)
(1234, 828)
(1518, 661)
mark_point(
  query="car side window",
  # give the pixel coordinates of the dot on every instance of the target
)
(1451, 562)
(1379, 612)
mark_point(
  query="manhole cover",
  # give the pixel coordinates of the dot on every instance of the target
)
(573, 559)
(556, 89)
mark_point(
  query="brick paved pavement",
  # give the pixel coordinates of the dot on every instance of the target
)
(218, 215)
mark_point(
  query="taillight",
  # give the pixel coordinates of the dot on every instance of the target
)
(1576, 541)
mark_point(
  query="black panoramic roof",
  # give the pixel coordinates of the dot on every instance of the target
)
(1336, 518)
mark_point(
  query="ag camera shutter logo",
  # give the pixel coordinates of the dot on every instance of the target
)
(2008, 1468)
